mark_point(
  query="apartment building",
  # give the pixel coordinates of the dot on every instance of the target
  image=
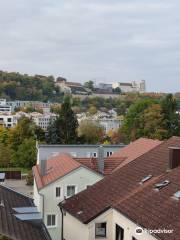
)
(8, 120)
(4, 107)
(138, 201)
(43, 120)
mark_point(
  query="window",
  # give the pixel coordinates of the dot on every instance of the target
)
(100, 230)
(109, 154)
(146, 178)
(160, 185)
(95, 154)
(177, 195)
(51, 220)
(58, 192)
(71, 190)
(119, 233)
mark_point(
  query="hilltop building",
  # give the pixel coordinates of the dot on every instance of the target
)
(71, 87)
(131, 87)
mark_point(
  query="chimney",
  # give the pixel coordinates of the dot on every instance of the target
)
(174, 157)
(101, 159)
(42, 167)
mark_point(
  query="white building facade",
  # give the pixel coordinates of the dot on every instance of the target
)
(131, 86)
(48, 198)
(4, 107)
(43, 120)
(8, 120)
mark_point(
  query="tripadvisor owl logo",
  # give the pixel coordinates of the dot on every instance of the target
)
(139, 231)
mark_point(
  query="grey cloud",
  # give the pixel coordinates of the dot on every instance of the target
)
(111, 40)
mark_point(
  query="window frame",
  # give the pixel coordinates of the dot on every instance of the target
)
(71, 185)
(56, 220)
(109, 153)
(101, 236)
(61, 192)
(95, 154)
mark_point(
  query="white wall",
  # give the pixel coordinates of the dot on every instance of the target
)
(129, 228)
(73, 227)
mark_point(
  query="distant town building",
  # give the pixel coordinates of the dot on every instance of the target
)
(8, 120)
(131, 87)
(105, 88)
(109, 121)
(4, 107)
(71, 87)
(43, 120)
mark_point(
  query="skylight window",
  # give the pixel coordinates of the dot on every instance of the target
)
(146, 178)
(177, 195)
(160, 185)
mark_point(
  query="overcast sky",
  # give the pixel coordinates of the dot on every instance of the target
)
(106, 40)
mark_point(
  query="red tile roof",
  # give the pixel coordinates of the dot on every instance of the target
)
(123, 156)
(56, 167)
(110, 163)
(136, 149)
(64, 163)
(140, 203)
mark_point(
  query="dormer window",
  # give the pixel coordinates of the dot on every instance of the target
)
(146, 178)
(177, 195)
(159, 186)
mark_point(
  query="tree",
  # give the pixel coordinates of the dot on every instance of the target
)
(170, 116)
(115, 136)
(22, 143)
(92, 110)
(24, 129)
(25, 155)
(4, 135)
(64, 128)
(89, 84)
(4, 155)
(133, 127)
(91, 132)
(152, 123)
